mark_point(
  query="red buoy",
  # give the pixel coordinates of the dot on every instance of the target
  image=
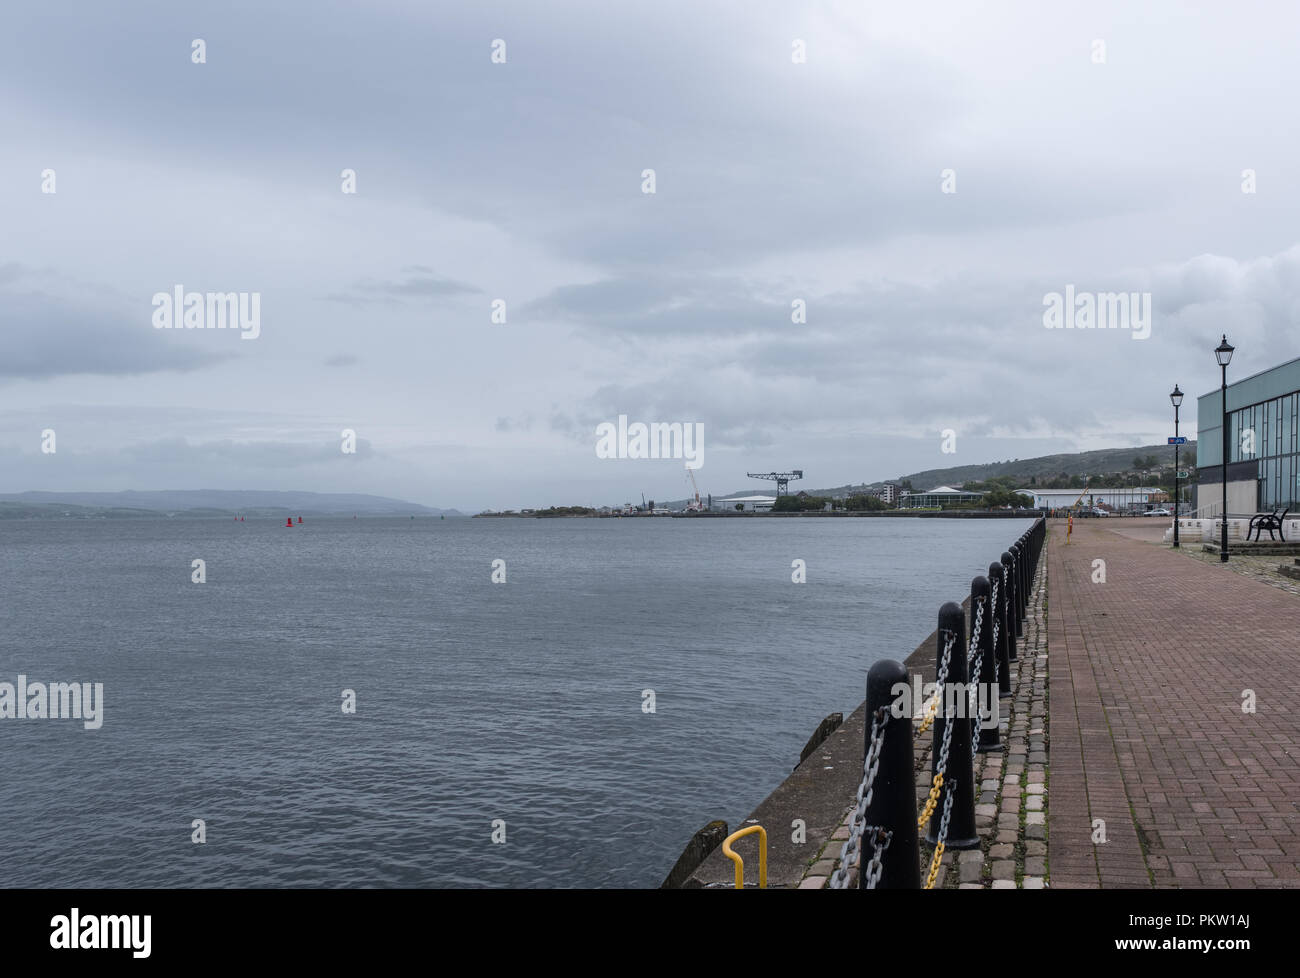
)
(288, 521)
(299, 519)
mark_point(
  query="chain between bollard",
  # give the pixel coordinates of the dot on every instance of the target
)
(939, 842)
(870, 765)
(976, 665)
(975, 631)
(876, 867)
(944, 745)
(994, 602)
(997, 657)
(972, 705)
(932, 708)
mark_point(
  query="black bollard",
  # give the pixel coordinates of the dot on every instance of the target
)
(1026, 582)
(1009, 619)
(1017, 565)
(1003, 650)
(959, 774)
(1018, 585)
(1029, 574)
(893, 797)
(1018, 568)
(981, 649)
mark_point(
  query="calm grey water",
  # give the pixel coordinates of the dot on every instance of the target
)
(476, 701)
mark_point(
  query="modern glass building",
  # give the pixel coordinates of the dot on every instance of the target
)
(1263, 443)
(938, 498)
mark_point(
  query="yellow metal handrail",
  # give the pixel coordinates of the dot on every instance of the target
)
(740, 863)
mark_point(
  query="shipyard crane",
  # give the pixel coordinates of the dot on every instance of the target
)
(694, 505)
(782, 479)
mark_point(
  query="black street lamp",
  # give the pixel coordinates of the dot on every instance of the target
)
(1223, 354)
(1176, 397)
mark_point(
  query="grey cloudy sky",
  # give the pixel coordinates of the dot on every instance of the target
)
(522, 181)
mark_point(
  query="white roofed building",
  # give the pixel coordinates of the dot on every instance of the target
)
(938, 497)
(1122, 499)
(754, 504)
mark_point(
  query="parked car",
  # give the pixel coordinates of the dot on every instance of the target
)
(1161, 511)
(1098, 511)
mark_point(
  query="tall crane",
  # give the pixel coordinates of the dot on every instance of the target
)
(782, 479)
(694, 505)
(1075, 504)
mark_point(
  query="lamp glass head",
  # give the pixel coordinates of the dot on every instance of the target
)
(1223, 352)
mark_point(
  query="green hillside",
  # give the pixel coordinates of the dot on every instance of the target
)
(1106, 467)
(1049, 468)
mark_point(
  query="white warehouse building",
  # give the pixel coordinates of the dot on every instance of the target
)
(1123, 499)
(752, 504)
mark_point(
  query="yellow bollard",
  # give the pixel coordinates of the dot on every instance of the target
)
(740, 864)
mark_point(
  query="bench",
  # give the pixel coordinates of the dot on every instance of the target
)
(1268, 521)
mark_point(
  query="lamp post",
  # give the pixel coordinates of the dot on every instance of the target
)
(1223, 354)
(1176, 397)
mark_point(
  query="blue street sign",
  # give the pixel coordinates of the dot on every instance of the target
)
(1178, 441)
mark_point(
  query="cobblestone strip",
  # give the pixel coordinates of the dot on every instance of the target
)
(1258, 567)
(1011, 810)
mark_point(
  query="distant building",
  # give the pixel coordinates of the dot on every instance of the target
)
(1121, 500)
(753, 504)
(939, 497)
(890, 493)
(1263, 443)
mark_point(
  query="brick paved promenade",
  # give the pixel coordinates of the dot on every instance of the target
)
(1147, 678)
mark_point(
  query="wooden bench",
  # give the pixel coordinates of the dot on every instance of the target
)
(1268, 521)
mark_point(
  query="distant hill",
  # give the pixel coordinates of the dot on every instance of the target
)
(207, 502)
(1042, 469)
(1049, 466)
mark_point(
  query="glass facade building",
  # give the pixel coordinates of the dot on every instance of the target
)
(938, 498)
(1263, 436)
(1274, 425)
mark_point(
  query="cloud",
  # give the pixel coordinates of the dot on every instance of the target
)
(521, 423)
(419, 283)
(776, 181)
(243, 454)
(883, 357)
(85, 330)
(1266, 289)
